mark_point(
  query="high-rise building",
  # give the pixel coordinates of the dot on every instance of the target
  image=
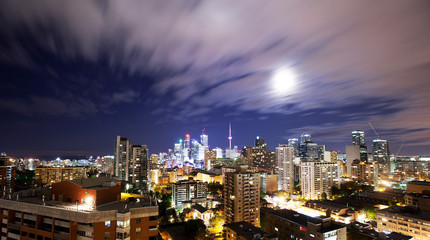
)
(218, 152)
(260, 143)
(186, 190)
(258, 157)
(139, 167)
(358, 138)
(204, 140)
(294, 142)
(318, 178)
(50, 175)
(210, 156)
(242, 197)
(269, 182)
(309, 150)
(187, 141)
(355, 152)
(285, 157)
(305, 137)
(365, 172)
(381, 151)
(122, 158)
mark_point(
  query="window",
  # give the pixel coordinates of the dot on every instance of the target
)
(107, 223)
(138, 220)
(138, 230)
(107, 235)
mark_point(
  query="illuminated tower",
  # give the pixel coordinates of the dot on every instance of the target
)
(204, 140)
(187, 142)
(229, 136)
(358, 138)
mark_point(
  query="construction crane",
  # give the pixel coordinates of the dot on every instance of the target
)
(377, 135)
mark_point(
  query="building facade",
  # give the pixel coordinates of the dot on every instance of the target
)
(186, 190)
(318, 178)
(285, 157)
(242, 197)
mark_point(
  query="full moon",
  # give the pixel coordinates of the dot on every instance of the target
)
(284, 81)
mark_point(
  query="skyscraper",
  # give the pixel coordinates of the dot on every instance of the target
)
(358, 138)
(242, 197)
(204, 140)
(381, 151)
(260, 143)
(305, 137)
(139, 167)
(187, 142)
(285, 157)
(122, 158)
(229, 136)
(294, 142)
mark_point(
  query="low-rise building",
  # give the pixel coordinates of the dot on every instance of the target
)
(288, 224)
(35, 215)
(245, 231)
(408, 220)
(50, 175)
(186, 190)
(422, 201)
(338, 212)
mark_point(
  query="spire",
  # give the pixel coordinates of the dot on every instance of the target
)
(229, 135)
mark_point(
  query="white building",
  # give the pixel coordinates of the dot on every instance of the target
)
(318, 178)
(285, 157)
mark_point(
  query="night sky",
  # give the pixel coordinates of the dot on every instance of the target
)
(75, 74)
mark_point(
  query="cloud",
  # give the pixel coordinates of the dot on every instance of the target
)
(222, 54)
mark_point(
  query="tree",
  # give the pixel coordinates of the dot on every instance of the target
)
(195, 228)
(370, 213)
(262, 194)
(324, 196)
(24, 179)
(214, 187)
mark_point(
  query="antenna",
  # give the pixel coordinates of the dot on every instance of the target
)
(203, 131)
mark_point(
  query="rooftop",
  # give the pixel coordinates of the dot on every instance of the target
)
(95, 182)
(247, 230)
(423, 183)
(408, 211)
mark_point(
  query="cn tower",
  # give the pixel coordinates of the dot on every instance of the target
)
(229, 135)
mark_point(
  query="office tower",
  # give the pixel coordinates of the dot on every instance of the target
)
(320, 150)
(122, 158)
(178, 147)
(285, 157)
(50, 175)
(154, 158)
(355, 152)
(139, 167)
(79, 209)
(242, 197)
(187, 141)
(232, 153)
(294, 142)
(195, 145)
(186, 190)
(381, 151)
(260, 143)
(204, 140)
(318, 178)
(305, 137)
(308, 150)
(358, 138)
(244, 152)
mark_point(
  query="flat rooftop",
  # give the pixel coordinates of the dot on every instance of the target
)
(408, 212)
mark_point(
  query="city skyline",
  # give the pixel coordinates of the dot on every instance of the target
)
(75, 76)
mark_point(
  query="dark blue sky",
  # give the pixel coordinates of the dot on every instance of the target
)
(75, 74)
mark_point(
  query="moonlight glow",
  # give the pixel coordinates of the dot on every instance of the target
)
(284, 81)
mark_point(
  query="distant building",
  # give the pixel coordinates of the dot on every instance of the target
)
(122, 158)
(365, 172)
(381, 154)
(291, 225)
(50, 175)
(269, 182)
(258, 157)
(358, 138)
(318, 178)
(139, 167)
(242, 197)
(355, 152)
(418, 187)
(285, 157)
(210, 157)
(245, 231)
(260, 143)
(186, 190)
